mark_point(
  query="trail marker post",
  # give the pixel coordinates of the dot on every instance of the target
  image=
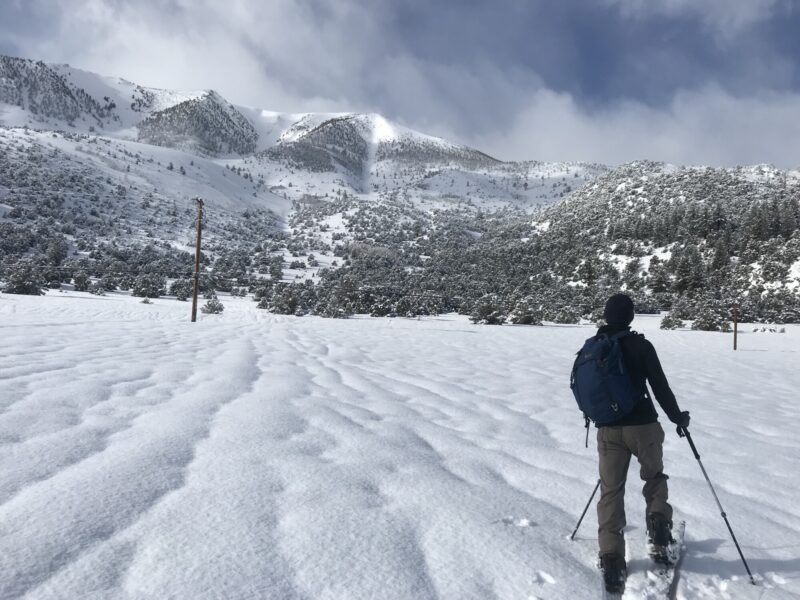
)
(735, 311)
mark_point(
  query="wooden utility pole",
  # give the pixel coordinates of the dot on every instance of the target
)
(199, 202)
(735, 324)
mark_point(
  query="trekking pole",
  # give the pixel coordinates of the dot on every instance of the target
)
(684, 432)
(583, 514)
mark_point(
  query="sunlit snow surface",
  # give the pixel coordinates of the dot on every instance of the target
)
(256, 456)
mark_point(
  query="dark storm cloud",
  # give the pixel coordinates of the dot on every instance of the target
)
(595, 51)
(21, 21)
(606, 80)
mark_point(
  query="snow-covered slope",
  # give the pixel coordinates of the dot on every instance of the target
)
(99, 189)
(363, 153)
(743, 219)
(205, 125)
(254, 456)
(88, 160)
(45, 96)
(438, 213)
(60, 96)
(131, 102)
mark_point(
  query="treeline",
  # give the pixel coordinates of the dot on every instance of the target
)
(209, 124)
(38, 88)
(695, 242)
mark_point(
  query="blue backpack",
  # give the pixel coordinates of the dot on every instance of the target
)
(604, 390)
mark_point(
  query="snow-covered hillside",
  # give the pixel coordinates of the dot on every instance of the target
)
(257, 456)
(95, 171)
(364, 153)
(121, 190)
(60, 96)
(726, 228)
(101, 170)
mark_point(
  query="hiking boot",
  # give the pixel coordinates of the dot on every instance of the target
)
(614, 572)
(659, 537)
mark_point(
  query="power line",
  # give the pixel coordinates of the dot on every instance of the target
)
(93, 270)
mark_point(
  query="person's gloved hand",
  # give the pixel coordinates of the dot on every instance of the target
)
(682, 421)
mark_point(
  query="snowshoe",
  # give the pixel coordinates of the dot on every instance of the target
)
(659, 538)
(614, 572)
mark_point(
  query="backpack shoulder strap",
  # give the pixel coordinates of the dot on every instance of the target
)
(621, 334)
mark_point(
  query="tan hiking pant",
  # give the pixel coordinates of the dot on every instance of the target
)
(615, 445)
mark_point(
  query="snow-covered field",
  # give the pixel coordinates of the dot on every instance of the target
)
(256, 456)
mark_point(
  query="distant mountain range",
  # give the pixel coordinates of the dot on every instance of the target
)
(59, 96)
(107, 169)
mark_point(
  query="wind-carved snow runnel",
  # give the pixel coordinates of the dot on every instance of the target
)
(123, 488)
(253, 455)
(378, 415)
(231, 488)
(334, 517)
(35, 370)
(97, 402)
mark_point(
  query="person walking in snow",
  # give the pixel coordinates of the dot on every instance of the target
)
(634, 431)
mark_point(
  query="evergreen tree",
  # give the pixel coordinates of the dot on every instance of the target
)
(149, 285)
(689, 274)
(181, 289)
(670, 322)
(721, 256)
(24, 278)
(566, 315)
(81, 281)
(57, 251)
(711, 316)
(526, 312)
(489, 310)
(212, 307)
(109, 283)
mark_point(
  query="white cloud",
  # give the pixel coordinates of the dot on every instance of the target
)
(295, 56)
(256, 53)
(280, 55)
(699, 127)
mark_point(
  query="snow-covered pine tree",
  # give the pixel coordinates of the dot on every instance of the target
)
(489, 310)
(81, 281)
(711, 316)
(24, 278)
(212, 307)
(671, 322)
(181, 289)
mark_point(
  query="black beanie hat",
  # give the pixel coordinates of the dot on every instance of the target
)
(619, 310)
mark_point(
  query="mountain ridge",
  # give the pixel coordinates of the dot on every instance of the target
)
(111, 110)
(335, 213)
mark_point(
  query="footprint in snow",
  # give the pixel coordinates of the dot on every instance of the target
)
(521, 522)
(543, 577)
(776, 578)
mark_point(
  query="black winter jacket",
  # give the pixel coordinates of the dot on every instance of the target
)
(643, 364)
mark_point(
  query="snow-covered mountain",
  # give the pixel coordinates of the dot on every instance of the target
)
(121, 157)
(401, 454)
(354, 201)
(46, 96)
(733, 233)
(357, 141)
(205, 125)
(365, 152)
